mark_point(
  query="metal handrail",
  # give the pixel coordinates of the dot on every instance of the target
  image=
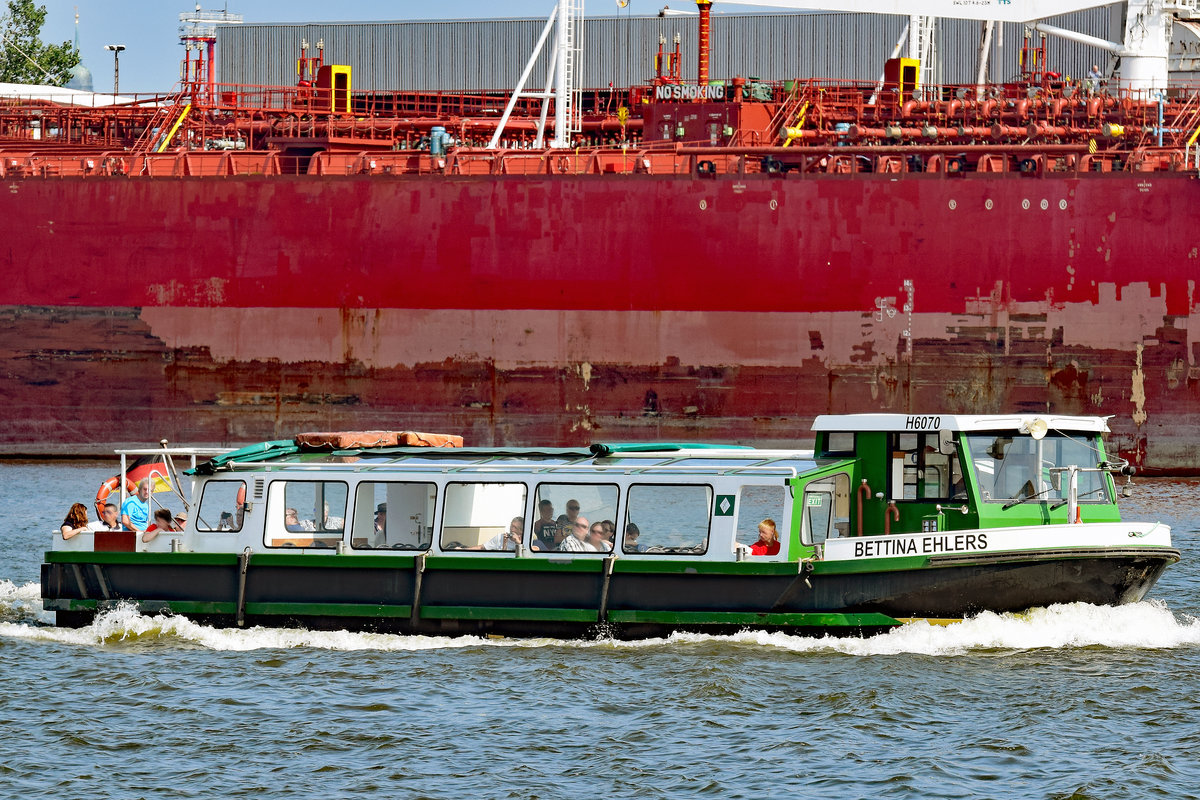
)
(451, 469)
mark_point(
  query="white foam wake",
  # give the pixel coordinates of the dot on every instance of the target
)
(23, 604)
(1145, 625)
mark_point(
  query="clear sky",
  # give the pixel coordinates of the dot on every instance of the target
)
(149, 29)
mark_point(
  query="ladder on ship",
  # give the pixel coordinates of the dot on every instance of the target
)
(793, 113)
(166, 121)
(572, 51)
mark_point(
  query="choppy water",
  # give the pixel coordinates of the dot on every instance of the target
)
(1066, 702)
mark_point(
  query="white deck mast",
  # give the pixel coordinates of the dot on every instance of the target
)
(562, 76)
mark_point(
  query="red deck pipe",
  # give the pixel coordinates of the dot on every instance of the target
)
(705, 7)
(862, 489)
(890, 513)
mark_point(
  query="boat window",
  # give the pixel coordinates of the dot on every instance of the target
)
(839, 443)
(1014, 466)
(826, 509)
(667, 519)
(393, 515)
(313, 514)
(478, 516)
(756, 503)
(920, 471)
(219, 507)
(558, 505)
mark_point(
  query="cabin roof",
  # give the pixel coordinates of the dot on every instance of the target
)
(955, 422)
(282, 453)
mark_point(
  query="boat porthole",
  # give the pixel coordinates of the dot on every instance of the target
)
(774, 204)
(988, 204)
(703, 204)
(953, 204)
(1045, 204)
(1025, 204)
(1062, 205)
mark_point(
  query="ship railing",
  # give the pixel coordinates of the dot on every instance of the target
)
(771, 467)
(171, 476)
(829, 157)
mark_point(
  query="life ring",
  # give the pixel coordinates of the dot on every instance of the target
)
(241, 497)
(563, 165)
(110, 486)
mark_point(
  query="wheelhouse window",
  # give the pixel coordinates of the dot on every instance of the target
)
(312, 514)
(924, 466)
(560, 507)
(483, 516)
(756, 504)
(393, 515)
(1012, 466)
(219, 507)
(667, 519)
(826, 512)
(838, 443)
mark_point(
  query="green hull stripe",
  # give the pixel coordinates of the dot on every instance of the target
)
(328, 609)
(801, 620)
(584, 615)
(508, 613)
(62, 604)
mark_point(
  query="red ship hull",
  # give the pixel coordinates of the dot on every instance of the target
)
(560, 309)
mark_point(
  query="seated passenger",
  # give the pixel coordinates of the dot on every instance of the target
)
(632, 532)
(576, 540)
(610, 532)
(135, 511)
(108, 520)
(164, 522)
(543, 526)
(290, 520)
(597, 539)
(505, 540)
(328, 523)
(226, 522)
(76, 521)
(768, 539)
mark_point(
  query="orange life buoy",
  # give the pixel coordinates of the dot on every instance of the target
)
(107, 488)
(241, 497)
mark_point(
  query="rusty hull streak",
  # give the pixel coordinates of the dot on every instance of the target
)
(185, 394)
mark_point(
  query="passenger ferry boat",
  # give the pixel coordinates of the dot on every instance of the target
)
(890, 518)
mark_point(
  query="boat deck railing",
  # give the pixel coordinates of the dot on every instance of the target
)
(767, 465)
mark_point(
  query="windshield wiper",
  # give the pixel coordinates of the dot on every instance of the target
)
(1025, 499)
(1063, 502)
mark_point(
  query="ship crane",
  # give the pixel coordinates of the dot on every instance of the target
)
(1143, 52)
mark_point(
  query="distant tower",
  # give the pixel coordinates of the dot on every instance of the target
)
(81, 76)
